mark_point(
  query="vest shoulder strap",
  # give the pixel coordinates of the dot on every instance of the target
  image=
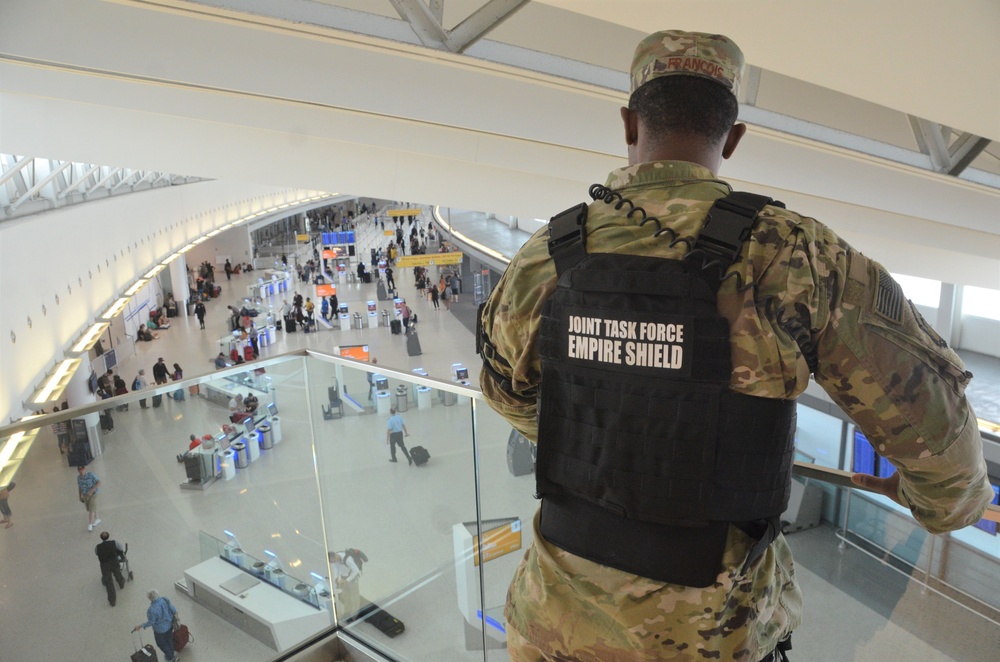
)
(568, 237)
(728, 225)
(726, 228)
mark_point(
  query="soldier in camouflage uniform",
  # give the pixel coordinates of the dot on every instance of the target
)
(817, 307)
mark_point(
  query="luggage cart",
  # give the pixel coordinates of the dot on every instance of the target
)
(123, 564)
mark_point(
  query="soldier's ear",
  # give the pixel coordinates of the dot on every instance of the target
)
(631, 123)
(733, 139)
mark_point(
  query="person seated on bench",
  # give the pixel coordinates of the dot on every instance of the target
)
(237, 412)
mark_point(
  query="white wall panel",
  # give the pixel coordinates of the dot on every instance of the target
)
(89, 253)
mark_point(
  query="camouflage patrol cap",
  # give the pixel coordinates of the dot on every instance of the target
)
(676, 52)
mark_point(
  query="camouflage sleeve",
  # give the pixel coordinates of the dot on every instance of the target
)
(510, 321)
(871, 350)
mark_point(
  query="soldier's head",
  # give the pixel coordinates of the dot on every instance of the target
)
(684, 88)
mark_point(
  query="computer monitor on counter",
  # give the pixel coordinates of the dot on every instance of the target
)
(272, 409)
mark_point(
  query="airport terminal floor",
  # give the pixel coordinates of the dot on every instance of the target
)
(53, 605)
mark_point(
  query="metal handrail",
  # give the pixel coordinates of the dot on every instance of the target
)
(836, 477)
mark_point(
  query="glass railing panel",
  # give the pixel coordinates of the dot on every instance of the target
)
(878, 586)
(411, 522)
(507, 477)
(147, 501)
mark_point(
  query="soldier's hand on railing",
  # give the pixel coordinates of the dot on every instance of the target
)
(885, 486)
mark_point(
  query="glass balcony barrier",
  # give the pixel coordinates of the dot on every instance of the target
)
(288, 534)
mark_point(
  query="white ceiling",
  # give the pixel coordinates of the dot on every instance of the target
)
(343, 96)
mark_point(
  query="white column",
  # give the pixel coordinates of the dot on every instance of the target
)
(179, 283)
(78, 393)
(949, 303)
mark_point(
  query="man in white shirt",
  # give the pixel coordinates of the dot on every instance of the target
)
(346, 587)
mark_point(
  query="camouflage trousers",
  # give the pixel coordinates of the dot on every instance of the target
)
(520, 649)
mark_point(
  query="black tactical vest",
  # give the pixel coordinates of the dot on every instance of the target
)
(645, 455)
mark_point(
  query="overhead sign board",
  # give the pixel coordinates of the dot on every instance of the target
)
(429, 260)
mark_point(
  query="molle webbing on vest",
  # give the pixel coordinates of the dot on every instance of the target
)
(639, 432)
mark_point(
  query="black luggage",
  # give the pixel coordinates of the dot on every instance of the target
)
(396, 327)
(367, 278)
(419, 455)
(277, 325)
(388, 624)
(290, 325)
(520, 454)
(145, 653)
(157, 400)
(412, 342)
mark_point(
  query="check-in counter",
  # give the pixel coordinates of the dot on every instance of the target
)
(257, 607)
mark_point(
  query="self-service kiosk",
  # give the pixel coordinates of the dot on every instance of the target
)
(372, 315)
(460, 375)
(344, 316)
(383, 399)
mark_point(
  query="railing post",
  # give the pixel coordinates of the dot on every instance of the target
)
(930, 565)
(847, 519)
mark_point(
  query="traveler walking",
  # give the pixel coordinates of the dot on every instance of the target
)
(110, 555)
(160, 616)
(88, 485)
(394, 433)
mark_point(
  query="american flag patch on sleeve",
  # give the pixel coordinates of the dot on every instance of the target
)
(889, 298)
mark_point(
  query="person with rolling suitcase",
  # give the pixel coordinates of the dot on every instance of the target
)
(160, 616)
(394, 433)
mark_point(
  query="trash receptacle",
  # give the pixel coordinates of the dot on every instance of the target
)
(447, 399)
(190, 307)
(423, 397)
(357, 321)
(266, 437)
(401, 404)
(385, 318)
(242, 456)
(228, 464)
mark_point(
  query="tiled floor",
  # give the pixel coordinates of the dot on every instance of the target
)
(52, 605)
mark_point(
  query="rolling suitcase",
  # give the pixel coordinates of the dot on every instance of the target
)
(396, 327)
(290, 325)
(412, 342)
(419, 455)
(145, 653)
(520, 454)
(216, 291)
